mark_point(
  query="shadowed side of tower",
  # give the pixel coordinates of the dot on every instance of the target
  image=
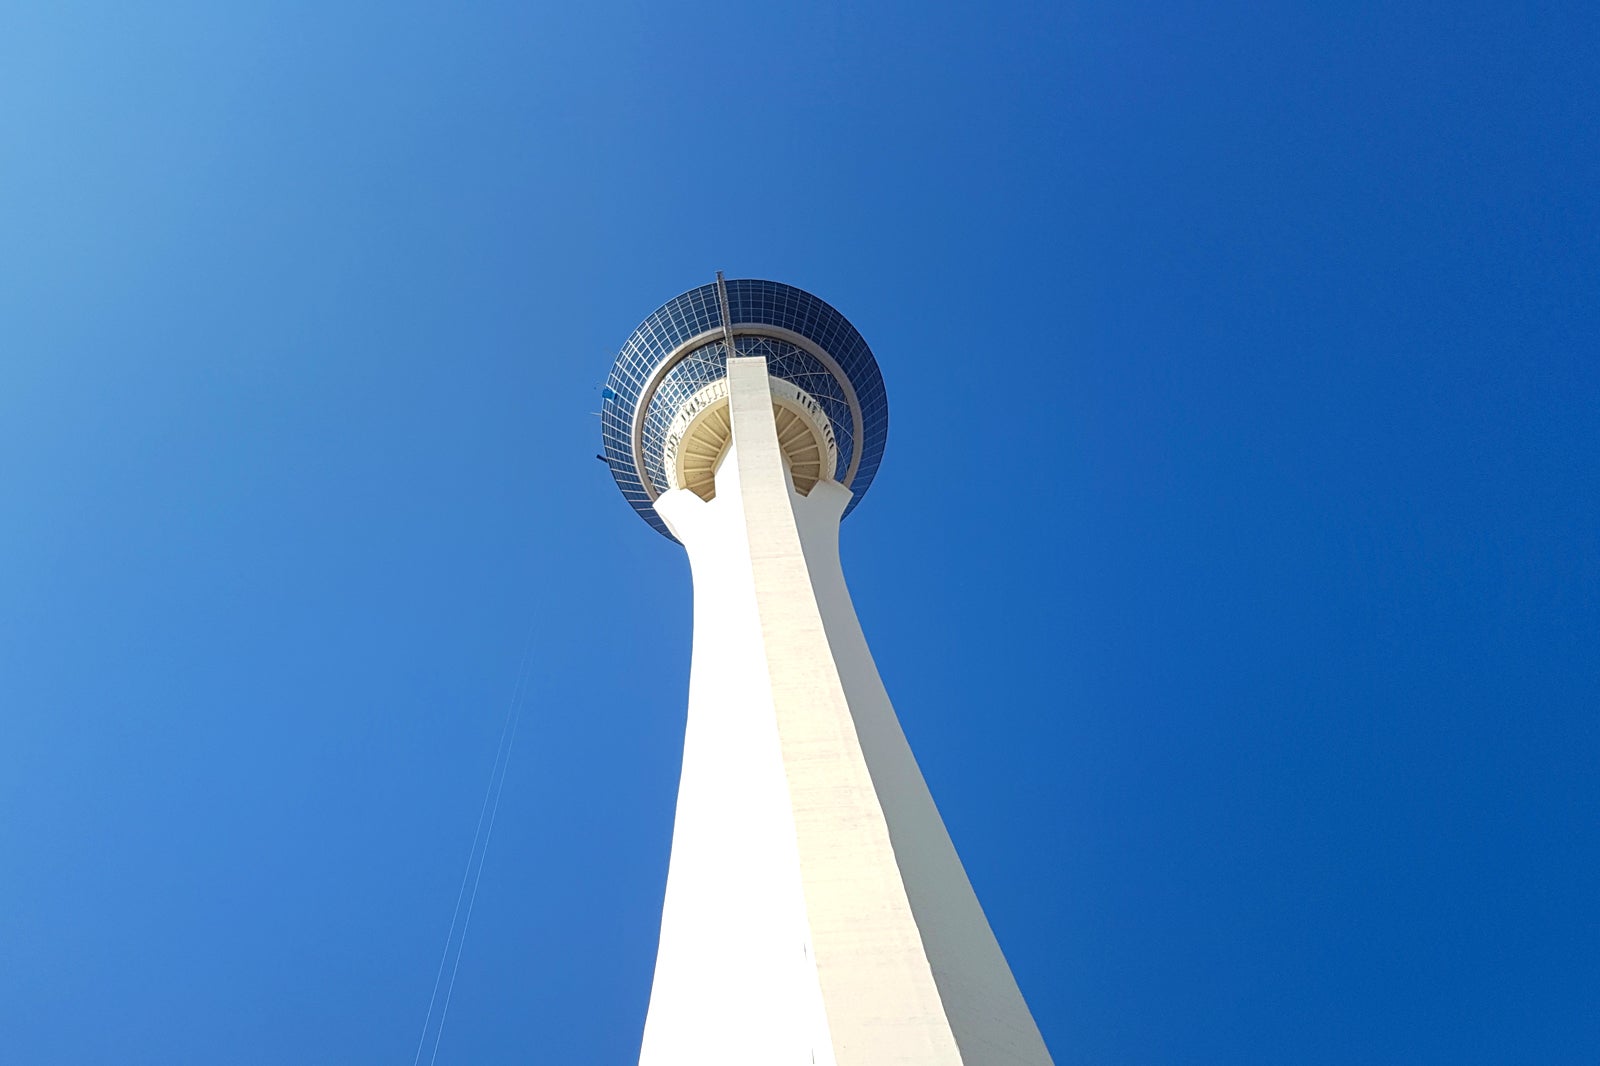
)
(816, 911)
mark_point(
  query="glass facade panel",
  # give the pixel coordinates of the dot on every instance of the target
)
(752, 304)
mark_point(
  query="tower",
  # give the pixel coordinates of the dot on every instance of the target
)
(815, 911)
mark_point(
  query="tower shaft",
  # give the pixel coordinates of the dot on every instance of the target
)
(816, 911)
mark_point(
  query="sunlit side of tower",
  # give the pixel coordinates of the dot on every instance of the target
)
(815, 911)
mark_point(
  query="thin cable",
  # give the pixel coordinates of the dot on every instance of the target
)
(496, 785)
(502, 754)
(472, 900)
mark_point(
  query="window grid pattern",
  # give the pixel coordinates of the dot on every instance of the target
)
(709, 363)
(751, 303)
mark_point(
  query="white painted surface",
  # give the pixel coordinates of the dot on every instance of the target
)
(815, 908)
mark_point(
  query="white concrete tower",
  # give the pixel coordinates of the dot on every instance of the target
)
(816, 911)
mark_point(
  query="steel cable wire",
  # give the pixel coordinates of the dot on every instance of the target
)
(488, 810)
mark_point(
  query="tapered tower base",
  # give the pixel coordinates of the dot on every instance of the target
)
(815, 911)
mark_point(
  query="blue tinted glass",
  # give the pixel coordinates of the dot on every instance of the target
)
(751, 304)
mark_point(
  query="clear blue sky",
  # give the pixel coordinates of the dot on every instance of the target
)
(1259, 692)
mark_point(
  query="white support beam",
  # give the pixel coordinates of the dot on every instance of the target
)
(816, 911)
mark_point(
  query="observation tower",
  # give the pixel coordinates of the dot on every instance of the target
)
(816, 911)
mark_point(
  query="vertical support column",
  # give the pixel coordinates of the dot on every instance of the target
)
(816, 910)
(735, 983)
(984, 1006)
(877, 985)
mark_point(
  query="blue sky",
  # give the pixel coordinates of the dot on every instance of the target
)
(1258, 690)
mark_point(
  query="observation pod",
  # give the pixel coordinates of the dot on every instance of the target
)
(659, 414)
(816, 911)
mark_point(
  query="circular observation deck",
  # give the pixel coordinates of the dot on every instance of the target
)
(664, 410)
